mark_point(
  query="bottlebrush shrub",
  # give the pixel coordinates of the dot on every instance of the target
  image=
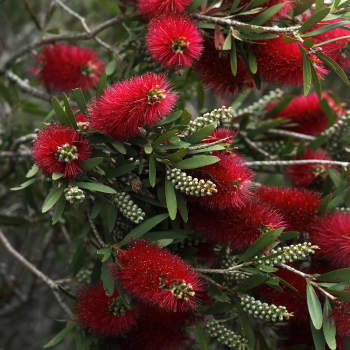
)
(184, 222)
(65, 67)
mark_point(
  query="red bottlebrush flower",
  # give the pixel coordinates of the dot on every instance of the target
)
(174, 41)
(341, 317)
(307, 114)
(158, 329)
(298, 207)
(215, 71)
(238, 228)
(306, 175)
(131, 104)
(332, 234)
(221, 134)
(156, 276)
(66, 67)
(281, 62)
(82, 122)
(155, 8)
(59, 149)
(232, 178)
(104, 315)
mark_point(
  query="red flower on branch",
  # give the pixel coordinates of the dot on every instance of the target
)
(131, 104)
(332, 234)
(66, 67)
(307, 175)
(155, 8)
(215, 71)
(104, 315)
(156, 276)
(174, 41)
(237, 228)
(341, 317)
(233, 181)
(60, 149)
(298, 207)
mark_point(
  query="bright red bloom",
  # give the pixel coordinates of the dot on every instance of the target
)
(104, 315)
(155, 8)
(306, 113)
(215, 71)
(238, 228)
(221, 134)
(298, 207)
(332, 234)
(306, 175)
(281, 62)
(156, 276)
(158, 329)
(341, 317)
(60, 149)
(174, 41)
(233, 181)
(66, 67)
(131, 104)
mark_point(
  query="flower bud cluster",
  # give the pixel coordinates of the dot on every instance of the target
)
(258, 106)
(264, 311)
(226, 336)
(236, 275)
(283, 255)
(74, 195)
(190, 185)
(128, 208)
(337, 133)
(215, 116)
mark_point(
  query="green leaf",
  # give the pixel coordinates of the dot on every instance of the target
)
(201, 337)
(182, 205)
(196, 162)
(92, 163)
(52, 198)
(94, 186)
(280, 106)
(170, 198)
(316, 82)
(56, 176)
(32, 171)
(318, 338)
(143, 228)
(246, 326)
(111, 66)
(152, 174)
(60, 113)
(164, 137)
(79, 98)
(261, 243)
(314, 19)
(341, 275)
(233, 58)
(69, 113)
(60, 335)
(171, 118)
(162, 243)
(227, 42)
(252, 62)
(109, 216)
(307, 78)
(107, 278)
(119, 146)
(329, 329)
(320, 140)
(267, 14)
(23, 185)
(334, 66)
(201, 134)
(122, 169)
(252, 282)
(336, 178)
(327, 28)
(179, 235)
(59, 209)
(105, 254)
(331, 115)
(314, 306)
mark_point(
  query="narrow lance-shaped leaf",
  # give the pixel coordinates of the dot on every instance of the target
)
(233, 58)
(170, 197)
(314, 306)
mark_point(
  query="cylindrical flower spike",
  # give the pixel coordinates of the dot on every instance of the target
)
(155, 8)
(128, 208)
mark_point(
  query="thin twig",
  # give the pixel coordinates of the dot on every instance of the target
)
(239, 24)
(206, 145)
(96, 233)
(287, 133)
(221, 271)
(255, 147)
(297, 162)
(47, 280)
(216, 284)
